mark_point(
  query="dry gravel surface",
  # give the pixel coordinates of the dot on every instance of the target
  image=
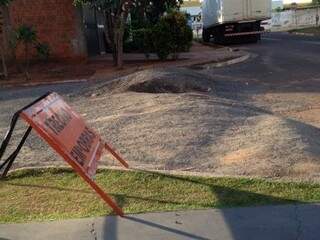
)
(182, 119)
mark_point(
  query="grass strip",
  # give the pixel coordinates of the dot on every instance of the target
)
(52, 194)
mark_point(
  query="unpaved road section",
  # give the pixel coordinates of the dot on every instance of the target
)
(259, 118)
(181, 119)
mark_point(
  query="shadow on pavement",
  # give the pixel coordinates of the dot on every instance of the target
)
(226, 197)
(111, 228)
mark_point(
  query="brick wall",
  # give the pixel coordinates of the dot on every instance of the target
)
(57, 23)
(1, 23)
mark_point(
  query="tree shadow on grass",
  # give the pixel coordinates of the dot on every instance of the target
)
(227, 197)
(120, 198)
(224, 197)
(37, 173)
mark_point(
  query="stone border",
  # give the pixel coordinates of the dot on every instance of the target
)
(30, 84)
(183, 172)
(196, 64)
(224, 63)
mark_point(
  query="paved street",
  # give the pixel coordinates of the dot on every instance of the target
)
(290, 222)
(283, 59)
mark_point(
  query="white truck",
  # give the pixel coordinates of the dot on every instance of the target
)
(230, 20)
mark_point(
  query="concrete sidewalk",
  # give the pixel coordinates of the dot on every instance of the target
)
(272, 222)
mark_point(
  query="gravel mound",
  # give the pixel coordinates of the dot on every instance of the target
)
(215, 132)
(169, 80)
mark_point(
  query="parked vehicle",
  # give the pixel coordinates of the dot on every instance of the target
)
(229, 20)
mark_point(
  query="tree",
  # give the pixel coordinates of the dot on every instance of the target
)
(152, 10)
(116, 13)
(316, 2)
(5, 33)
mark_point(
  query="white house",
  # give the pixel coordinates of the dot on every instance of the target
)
(296, 1)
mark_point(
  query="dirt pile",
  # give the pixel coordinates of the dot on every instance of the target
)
(169, 80)
(208, 132)
(200, 131)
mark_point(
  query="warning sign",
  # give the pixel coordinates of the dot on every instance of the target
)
(67, 133)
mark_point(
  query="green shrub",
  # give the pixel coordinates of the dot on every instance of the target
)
(43, 50)
(27, 36)
(172, 35)
(162, 40)
(135, 42)
(141, 41)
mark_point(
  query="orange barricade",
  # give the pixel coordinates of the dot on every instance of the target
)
(67, 133)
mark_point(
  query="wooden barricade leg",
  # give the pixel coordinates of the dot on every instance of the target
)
(116, 155)
(103, 195)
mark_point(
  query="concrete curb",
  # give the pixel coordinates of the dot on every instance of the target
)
(303, 34)
(33, 84)
(200, 64)
(227, 63)
(181, 172)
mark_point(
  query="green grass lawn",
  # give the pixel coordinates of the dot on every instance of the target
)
(50, 194)
(312, 30)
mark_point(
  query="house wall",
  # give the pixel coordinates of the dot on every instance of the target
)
(57, 22)
(296, 1)
(293, 19)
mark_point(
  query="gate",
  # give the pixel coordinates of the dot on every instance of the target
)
(94, 24)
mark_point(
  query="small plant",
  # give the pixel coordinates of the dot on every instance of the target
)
(27, 36)
(43, 50)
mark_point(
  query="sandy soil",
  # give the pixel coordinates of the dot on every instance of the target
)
(181, 119)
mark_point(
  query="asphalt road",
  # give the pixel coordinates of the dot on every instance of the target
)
(281, 59)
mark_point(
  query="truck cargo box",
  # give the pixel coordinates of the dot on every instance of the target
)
(215, 12)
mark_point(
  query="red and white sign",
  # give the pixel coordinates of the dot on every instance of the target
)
(67, 133)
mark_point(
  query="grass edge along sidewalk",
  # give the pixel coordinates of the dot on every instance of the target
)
(58, 193)
(309, 31)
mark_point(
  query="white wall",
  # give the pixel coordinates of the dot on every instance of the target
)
(293, 19)
(296, 1)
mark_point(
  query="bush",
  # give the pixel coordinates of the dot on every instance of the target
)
(162, 40)
(172, 35)
(26, 34)
(43, 50)
(141, 41)
(135, 42)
